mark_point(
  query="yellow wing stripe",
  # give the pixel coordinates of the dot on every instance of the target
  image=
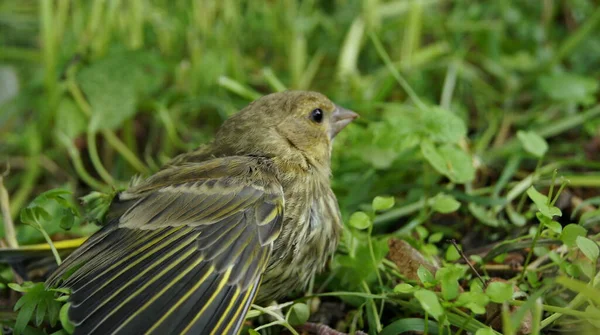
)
(137, 251)
(237, 311)
(141, 274)
(272, 215)
(224, 279)
(161, 292)
(222, 317)
(137, 261)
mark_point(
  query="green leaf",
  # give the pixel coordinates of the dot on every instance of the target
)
(485, 331)
(549, 223)
(113, 83)
(435, 238)
(410, 326)
(533, 143)
(430, 303)
(404, 288)
(570, 233)
(360, 220)
(253, 332)
(382, 203)
(17, 287)
(425, 275)
(72, 120)
(452, 254)
(23, 318)
(298, 314)
(569, 88)
(450, 161)
(516, 218)
(64, 319)
(499, 292)
(475, 301)
(484, 215)
(448, 277)
(444, 203)
(588, 247)
(541, 201)
(443, 126)
(36, 299)
(422, 232)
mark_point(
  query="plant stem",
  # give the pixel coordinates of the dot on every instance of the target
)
(52, 247)
(93, 151)
(110, 137)
(395, 73)
(79, 168)
(9, 227)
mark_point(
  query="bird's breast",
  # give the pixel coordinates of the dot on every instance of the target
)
(309, 237)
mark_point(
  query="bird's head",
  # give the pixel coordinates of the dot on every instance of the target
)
(293, 126)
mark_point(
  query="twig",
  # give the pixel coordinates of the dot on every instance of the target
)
(453, 241)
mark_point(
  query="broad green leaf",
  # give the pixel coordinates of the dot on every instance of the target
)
(430, 303)
(443, 126)
(588, 247)
(484, 215)
(425, 275)
(570, 88)
(435, 237)
(516, 218)
(533, 143)
(382, 203)
(452, 254)
(71, 120)
(499, 292)
(448, 277)
(485, 331)
(411, 326)
(360, 220)
(422, 232)
(450, 161)
(444, 203)
(541, 201)
(404, 288)
(64, 318)
(549, 223)
(298, 314)
(112, 85)
(570, 233)
(475, 301)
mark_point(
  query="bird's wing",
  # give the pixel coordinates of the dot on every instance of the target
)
(185, 257)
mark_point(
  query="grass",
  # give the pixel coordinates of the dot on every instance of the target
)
(479, 123)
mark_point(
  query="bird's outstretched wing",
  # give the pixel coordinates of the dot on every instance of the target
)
(185, 256)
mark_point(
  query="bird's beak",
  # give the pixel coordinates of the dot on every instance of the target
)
(340, 118)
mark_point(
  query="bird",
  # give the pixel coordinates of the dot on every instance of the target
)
(247, 218)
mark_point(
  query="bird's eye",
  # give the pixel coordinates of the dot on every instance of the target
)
(317, 115)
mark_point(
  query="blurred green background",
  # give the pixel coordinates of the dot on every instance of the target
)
(477, 100)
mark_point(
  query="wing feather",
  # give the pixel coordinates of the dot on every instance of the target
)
(185, 258)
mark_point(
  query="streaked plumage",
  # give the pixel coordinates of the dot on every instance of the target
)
(186, 250)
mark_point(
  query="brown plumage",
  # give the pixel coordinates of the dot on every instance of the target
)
(186, 250)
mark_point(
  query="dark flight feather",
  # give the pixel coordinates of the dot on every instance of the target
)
(193, 268)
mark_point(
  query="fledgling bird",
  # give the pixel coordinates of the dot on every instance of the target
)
(185, 250)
